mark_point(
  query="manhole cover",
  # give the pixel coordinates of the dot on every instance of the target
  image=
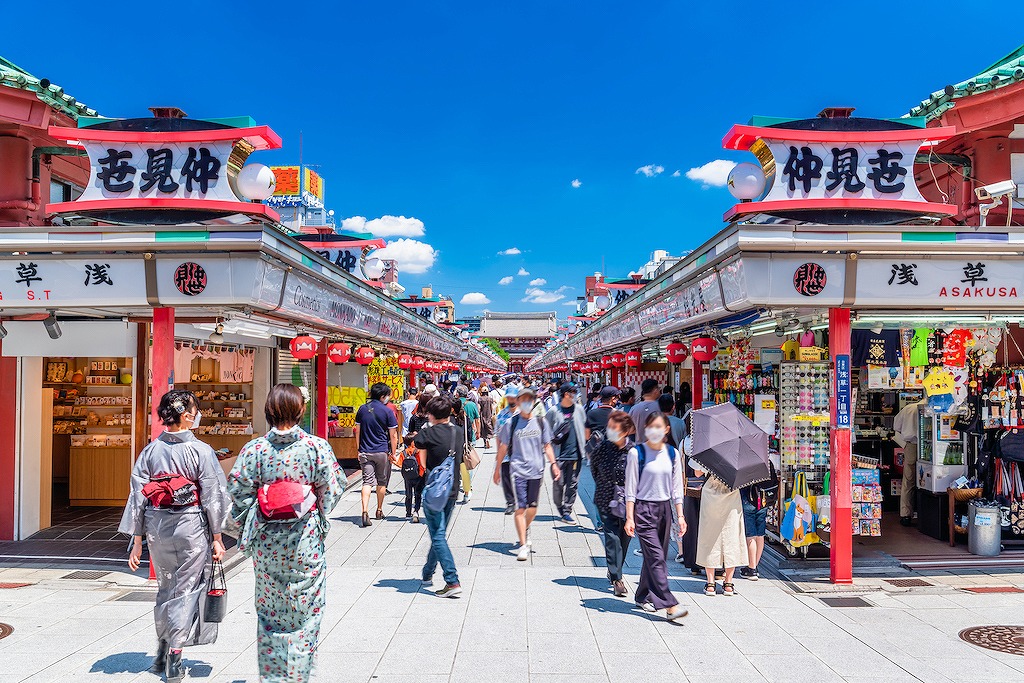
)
(5, 630)
(846, 602)
(13, 585)
(993, 589)
(1008, 639)
(138, 596)
(908, 583)
(85, 574)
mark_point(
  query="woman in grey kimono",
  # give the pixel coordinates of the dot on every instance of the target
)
(183, 540)
(288, 554)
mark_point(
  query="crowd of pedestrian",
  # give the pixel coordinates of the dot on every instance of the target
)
(285, 484)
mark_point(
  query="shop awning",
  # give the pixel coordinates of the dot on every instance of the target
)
(748, 268)
(248, 272)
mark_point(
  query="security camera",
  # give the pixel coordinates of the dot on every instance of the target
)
(1003, 188)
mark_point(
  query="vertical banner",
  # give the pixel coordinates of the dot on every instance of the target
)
(844, 406)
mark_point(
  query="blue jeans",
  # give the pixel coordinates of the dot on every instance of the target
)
(437, 527)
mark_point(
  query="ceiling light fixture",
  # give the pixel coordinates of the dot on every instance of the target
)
(52, 328)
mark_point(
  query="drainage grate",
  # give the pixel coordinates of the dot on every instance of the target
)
(5, 630)
(993, 589)
(846, 602)
(138, 596)
(13, 585)
(908, 583)
(1008, 639)
(84, 574)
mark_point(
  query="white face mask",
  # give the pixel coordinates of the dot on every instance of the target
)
(613, 434)
(526, 407)
(655, 434)
(197, 420)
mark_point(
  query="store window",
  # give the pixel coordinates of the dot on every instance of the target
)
(64, 191)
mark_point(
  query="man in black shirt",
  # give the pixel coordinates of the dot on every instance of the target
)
(435, 444)
(597, 418)
(567, 427)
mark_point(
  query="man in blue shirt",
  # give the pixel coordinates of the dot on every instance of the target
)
(376, 431)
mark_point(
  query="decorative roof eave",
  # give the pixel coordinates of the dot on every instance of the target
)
(13, 76)
(1007, 71)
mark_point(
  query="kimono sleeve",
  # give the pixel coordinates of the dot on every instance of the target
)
(213, 490)
(325, 479)
(243, 481)
(133, 520)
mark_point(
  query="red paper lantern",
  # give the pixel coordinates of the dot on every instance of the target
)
(405, 361)
(618, 360)
(339, 353)
(676, 352)
(606, 362)
(365, 355)
(418, 363)
(704, 349)
(303, 347)
(574, 367)
(634, 359)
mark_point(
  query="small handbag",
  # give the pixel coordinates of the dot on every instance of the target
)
(617, 505)
(470, 457)
(216, 595)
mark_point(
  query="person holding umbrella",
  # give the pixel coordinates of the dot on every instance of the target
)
(733, 451)
(654, 490)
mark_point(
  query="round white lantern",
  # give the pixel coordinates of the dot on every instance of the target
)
(256, 182)
(746, 181)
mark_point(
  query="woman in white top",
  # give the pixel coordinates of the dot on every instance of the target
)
(654, 491)
(721, 541)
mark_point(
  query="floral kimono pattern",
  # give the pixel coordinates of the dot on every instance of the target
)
(288, 556)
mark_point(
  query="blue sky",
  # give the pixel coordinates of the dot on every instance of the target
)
(475, 118)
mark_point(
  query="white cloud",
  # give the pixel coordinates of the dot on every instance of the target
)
(574, 304)
(385, 226)
(577, 183)
(511, 251)
(507, 280)
(413, 257)
(539, 282)
(535, 295)
(676, 174)
(523, 272)
(712, 174)
(650, 170)
(475, 299)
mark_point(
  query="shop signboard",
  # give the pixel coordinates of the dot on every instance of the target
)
(198, 280)
(842, 167)
(949, 282)
(35, 281)
(172, 171)
(814, 281)
(306, 298)
(287, 178)
(843, 392)
(622, 331)
(689, 305)
(312, 188)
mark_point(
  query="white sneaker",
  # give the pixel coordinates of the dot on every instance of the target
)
(524, 553)
(427, 583)
(647, 607)
(466, 496)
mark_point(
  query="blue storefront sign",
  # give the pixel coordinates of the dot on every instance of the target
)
(844, 404)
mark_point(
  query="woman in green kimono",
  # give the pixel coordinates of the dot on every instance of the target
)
(288, 554)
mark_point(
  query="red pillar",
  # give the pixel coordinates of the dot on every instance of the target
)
(321, 409)
(163, 363)
(841, 491)
(697, 384)
(8, 439)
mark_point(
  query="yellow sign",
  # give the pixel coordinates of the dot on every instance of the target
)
(313, 183)
(768, 405)
(811, 353)
(386, 371)
(939, 382)
(287, 181)
(348, 400)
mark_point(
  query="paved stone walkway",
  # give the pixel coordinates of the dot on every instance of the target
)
(550, 619)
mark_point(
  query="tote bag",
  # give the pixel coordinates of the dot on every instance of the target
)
(798, 521)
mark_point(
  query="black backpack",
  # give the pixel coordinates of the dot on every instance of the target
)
(410, 467)
(766, 494)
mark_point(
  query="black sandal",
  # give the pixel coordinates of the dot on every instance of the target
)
(728, 589)
(709, 589)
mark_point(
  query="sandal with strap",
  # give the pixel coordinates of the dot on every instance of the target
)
(728, 589)
(709, 589)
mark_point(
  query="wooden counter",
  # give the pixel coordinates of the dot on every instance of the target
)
(100, 476)
(345, 448)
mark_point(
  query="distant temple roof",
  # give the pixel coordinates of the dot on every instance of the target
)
(1006, 71)
(543, 324)
(13, 76)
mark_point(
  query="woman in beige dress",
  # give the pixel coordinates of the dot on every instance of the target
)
(721, 542)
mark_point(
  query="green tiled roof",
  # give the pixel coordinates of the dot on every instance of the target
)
(1006, 71)
(13, 76)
